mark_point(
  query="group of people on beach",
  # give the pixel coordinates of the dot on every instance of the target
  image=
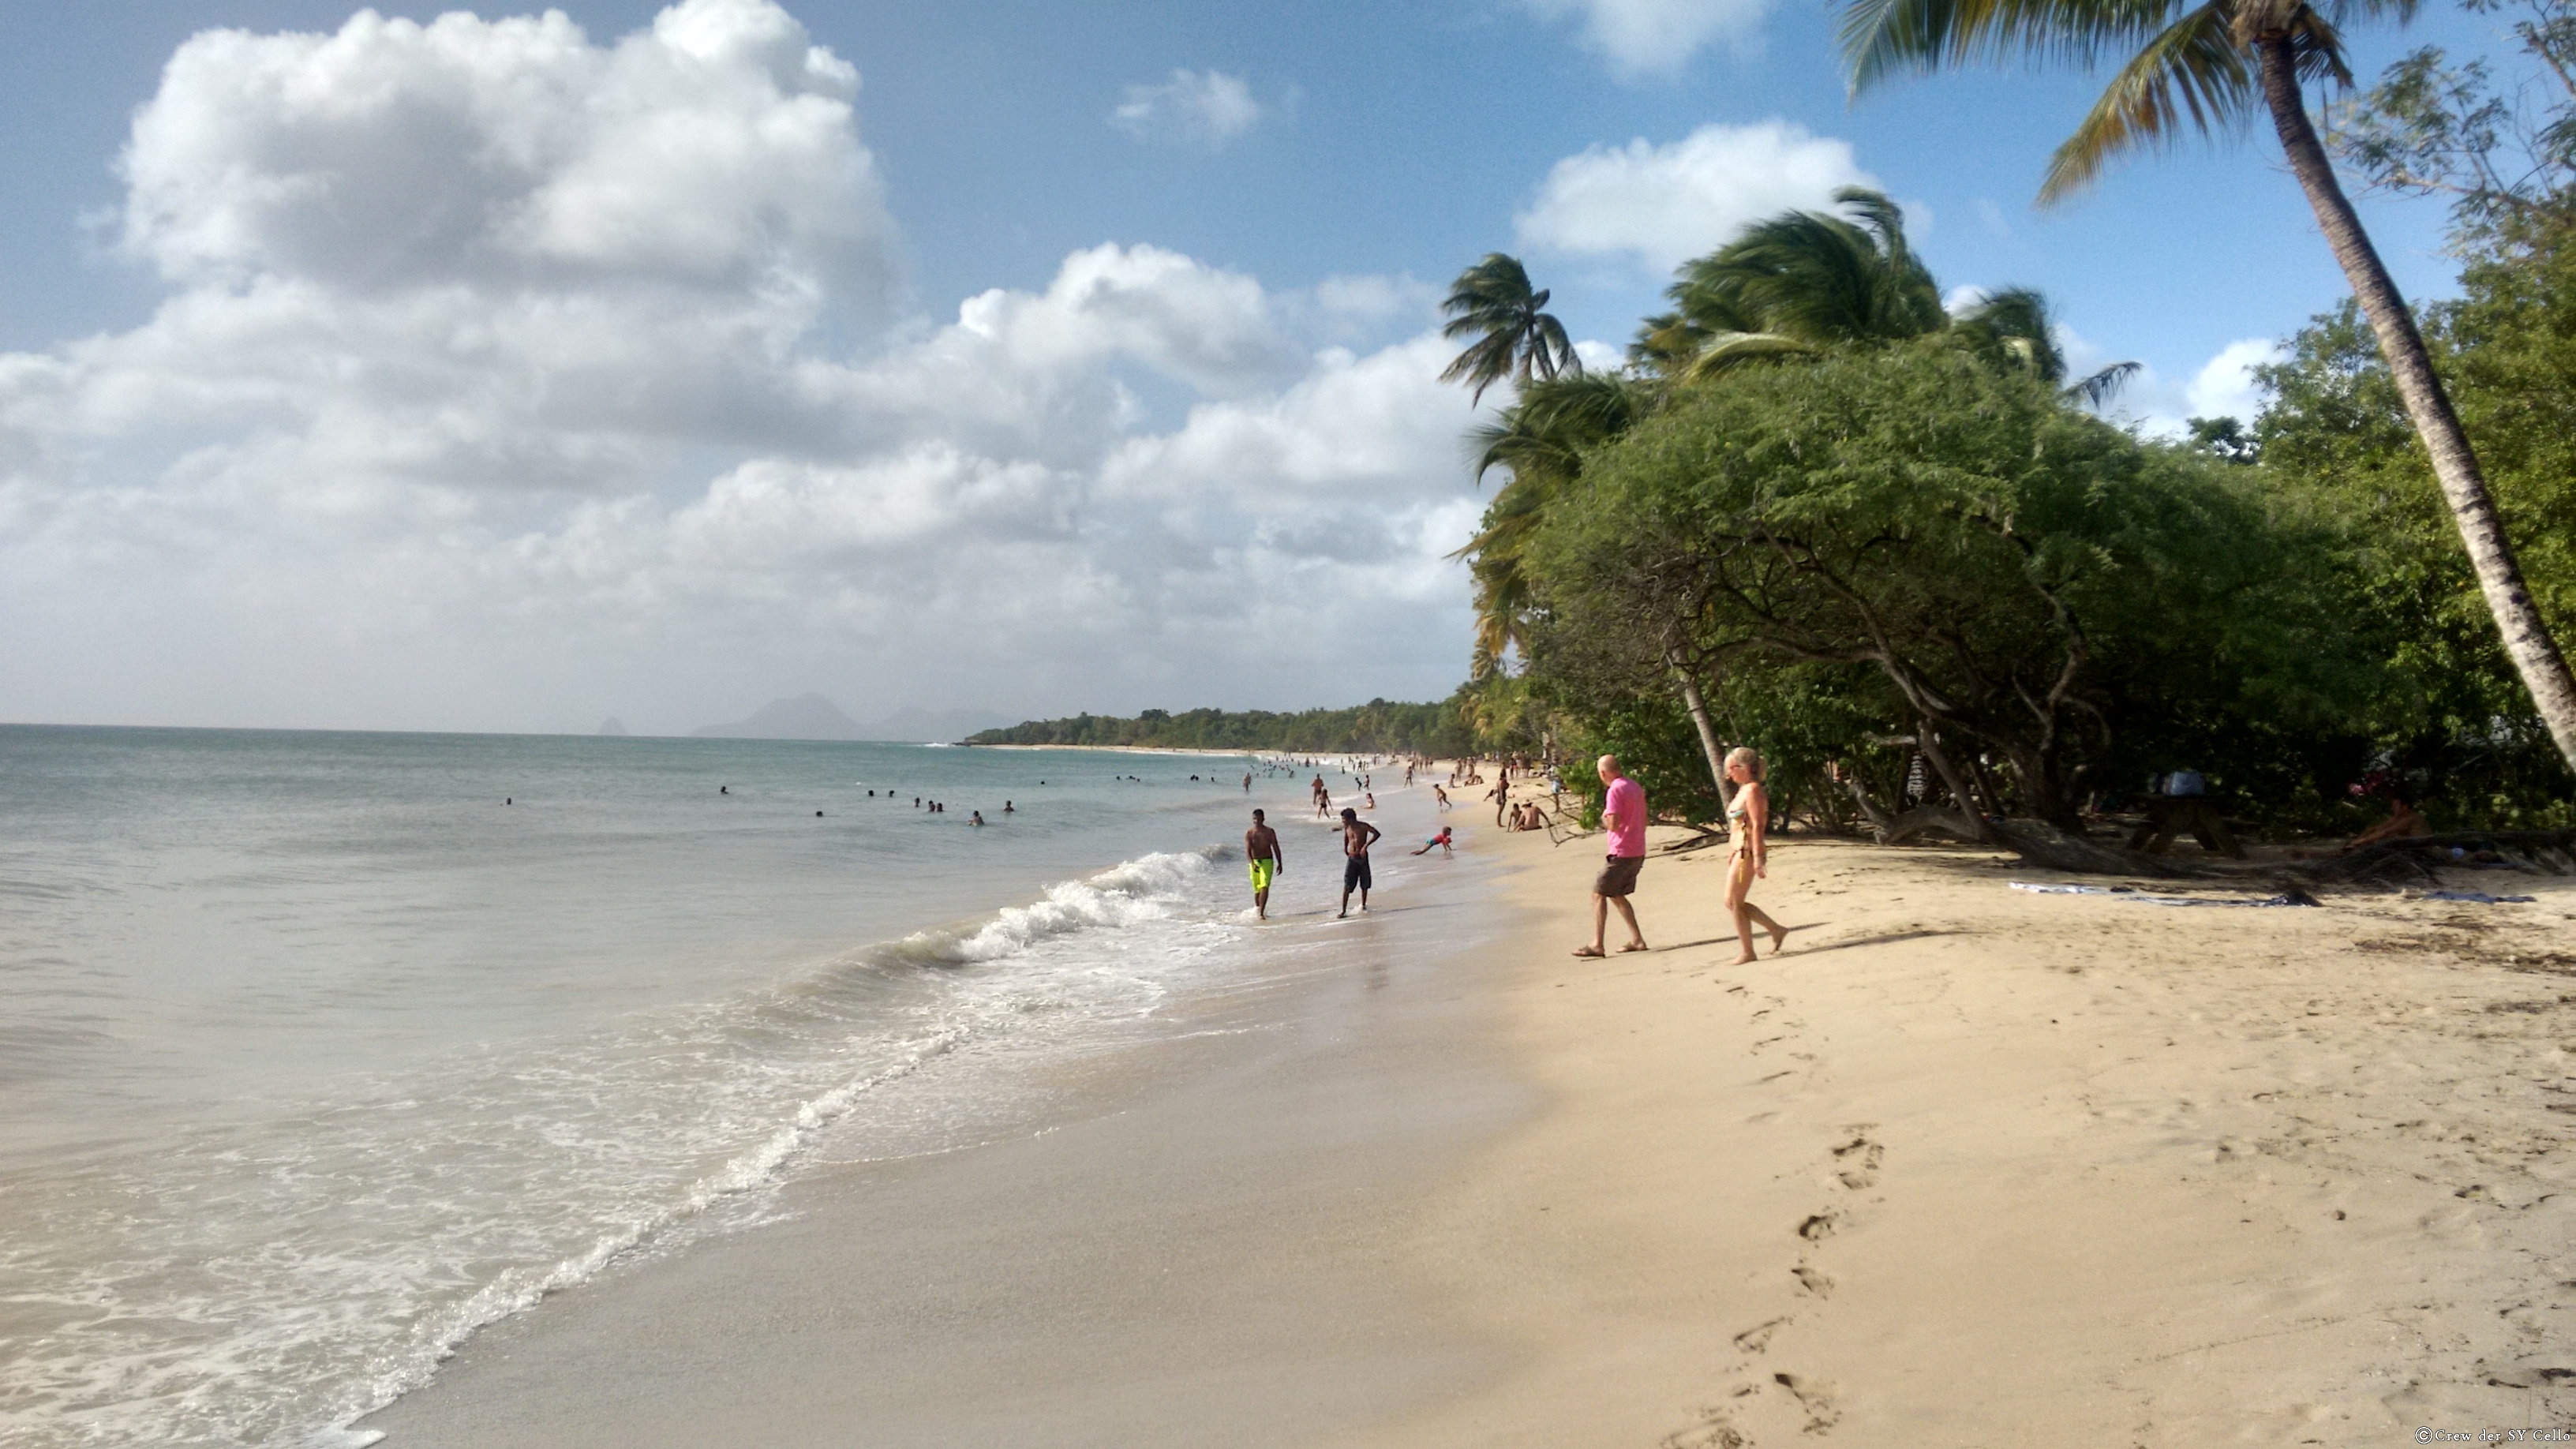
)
(1261, 847)
(1623, 817)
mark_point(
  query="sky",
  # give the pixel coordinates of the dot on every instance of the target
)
(509, 369)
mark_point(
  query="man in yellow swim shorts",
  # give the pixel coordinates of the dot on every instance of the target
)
(1261, 847)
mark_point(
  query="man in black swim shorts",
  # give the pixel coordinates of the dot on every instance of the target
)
(1357, 834)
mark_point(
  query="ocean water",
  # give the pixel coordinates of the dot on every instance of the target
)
(315, 1055)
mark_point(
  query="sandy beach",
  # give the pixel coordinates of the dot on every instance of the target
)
(1965, 1166)
(1969, 1165)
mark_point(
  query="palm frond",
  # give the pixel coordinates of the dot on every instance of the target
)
(1878, 212)
(2101, 387)
(2193, 76)
(1734, 349)
(1666, 343)
(1884, 37)
(1554, 349)
(2012, 327)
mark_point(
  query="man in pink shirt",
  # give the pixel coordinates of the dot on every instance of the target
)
(1623, 814)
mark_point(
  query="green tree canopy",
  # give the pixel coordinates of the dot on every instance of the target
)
(2025, 588)
(2184, 67)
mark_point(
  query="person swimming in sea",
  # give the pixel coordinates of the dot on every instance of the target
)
(975, 817)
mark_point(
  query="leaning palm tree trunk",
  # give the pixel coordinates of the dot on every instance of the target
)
(2526, 638)
(1698, 708)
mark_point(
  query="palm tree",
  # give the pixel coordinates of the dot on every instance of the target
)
(1795, 283)
(1804, 281)
(1541, 440)
(2202, 67)
(1493, 302)
(2012, 330)
(1817, 276)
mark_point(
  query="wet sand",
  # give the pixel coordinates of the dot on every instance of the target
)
(1192, 1247)
(1966, 1166)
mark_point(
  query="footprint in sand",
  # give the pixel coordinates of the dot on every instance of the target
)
(1758, 1337)
(1856, 1161)
(1819, 1226)
(1715, 1430)
(1813, 1395)
(1812, 1281)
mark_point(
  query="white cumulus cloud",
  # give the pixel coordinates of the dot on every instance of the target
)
(1656, 37)
(715, 150)
(2222, 387)
(493, 389)
(2225, 386)
(1201, 107)
(1664, 204)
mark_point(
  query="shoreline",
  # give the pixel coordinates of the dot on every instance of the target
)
(1966, 1165)
(1161, 1249)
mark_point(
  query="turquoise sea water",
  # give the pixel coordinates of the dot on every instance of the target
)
(315, 1054)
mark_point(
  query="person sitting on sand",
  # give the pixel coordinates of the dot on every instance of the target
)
(1750, 817)
(2402, 823)
(1357, 835)
(1441, 840)
(1623, 814)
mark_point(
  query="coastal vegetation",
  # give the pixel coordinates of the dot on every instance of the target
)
(1886, 534)
(2207, 67)
(1894, 544)
(1377, 727)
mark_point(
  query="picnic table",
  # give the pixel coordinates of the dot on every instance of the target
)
(2170, 815)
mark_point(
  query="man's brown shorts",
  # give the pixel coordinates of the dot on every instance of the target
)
(1618, 876)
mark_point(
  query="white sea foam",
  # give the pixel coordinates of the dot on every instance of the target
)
(275, 1280)
(1138, 890)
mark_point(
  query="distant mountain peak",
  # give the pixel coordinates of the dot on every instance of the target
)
(806, 717)
(812, 717)
(611, 726)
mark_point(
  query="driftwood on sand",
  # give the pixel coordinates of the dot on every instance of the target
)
(1923, 819)
(2414, 859)
(2041, 844)
(2411, 861)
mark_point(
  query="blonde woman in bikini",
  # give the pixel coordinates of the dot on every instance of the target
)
(1749, 819)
